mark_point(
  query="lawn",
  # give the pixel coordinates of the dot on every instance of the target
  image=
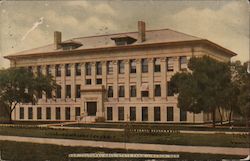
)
(19, 151)
(169, 138)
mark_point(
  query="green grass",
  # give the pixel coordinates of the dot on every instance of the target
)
(20, 151)
(220, 140)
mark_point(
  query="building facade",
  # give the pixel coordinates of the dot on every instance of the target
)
(116, 77)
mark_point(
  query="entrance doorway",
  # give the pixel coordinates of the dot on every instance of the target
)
(91, 108)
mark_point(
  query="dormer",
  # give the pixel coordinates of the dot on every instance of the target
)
(123, 40)
(70, 45)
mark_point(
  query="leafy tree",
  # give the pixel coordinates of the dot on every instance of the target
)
(19, 85)
(202, 89)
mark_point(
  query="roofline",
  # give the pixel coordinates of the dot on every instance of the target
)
(203, 41)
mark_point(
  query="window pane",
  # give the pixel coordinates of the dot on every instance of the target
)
(110, 91)
(68, 91)
(78, 91)
(39, 70)
(109, 113)
(144, 113)
(109, 67)
(21, 113)
(88, 82)
(88, 68)
(39, 113)
(58, 92)
(121, 113)
(157, 65)
(144, 64)
(132, 114)
(30, 113)
(157, 90)
(183, 115)
(121, 91)
(48, 70)
(170, 114)
(58, 113)
(157, 114)
(67, 113)
(170, 64)
(98, 68)
(58, 70)
(78, 69)
(183, 63)
(121, 66)
(78, 111)
(133, 66)
(144, 93)
(98, 81)
(133, 91)
(48, 113)
(67, 70)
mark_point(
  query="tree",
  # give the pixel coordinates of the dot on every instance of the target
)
(19, 85)
(204, 87)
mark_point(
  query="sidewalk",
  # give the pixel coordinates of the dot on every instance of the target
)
(131, 146)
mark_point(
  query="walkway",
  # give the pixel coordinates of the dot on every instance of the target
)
(131, 146)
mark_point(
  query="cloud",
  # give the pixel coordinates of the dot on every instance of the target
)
(35, 25)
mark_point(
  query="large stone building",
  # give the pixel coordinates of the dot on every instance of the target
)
(116, 77)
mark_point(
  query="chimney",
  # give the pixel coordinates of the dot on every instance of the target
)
(141, 31)
(57, 39)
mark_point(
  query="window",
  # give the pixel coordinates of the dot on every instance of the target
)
(68, 91)
(21, 113)
(39, 113)
(67, 113)
(121, 66)
(39, 70)
(170, 64)
(58, 113)
(144, 65)
(110, 91)
(48, 70)
(78, 91)
(121, 91)
(170, 91)
(58, 92)
(121, 113)
(78, 69)
(49, 94)
(30, 113)
(133, 66)
(48, 113)
(183, 63)
(183, 115)
(88, 81)
(157, 90)
(157, 114)
(98, 68)
(67, 70)
(144, 93)
(133, 91)
(78, 111)
(88, 68)
(109, 113)
(157, 65)
(170, 114)
(109, 67)
(132, 114)
(144, 113)
(58, 70)
(98, 81)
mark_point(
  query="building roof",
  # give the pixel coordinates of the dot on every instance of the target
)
(105, 41)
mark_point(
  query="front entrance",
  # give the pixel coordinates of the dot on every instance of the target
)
(91, 108)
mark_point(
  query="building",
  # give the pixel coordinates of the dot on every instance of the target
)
(116, 77)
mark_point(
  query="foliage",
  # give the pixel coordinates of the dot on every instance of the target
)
(19, 85)
(204, 88)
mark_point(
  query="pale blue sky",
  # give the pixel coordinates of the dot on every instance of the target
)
(29, 24)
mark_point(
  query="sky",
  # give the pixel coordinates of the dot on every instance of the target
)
(29, 24)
